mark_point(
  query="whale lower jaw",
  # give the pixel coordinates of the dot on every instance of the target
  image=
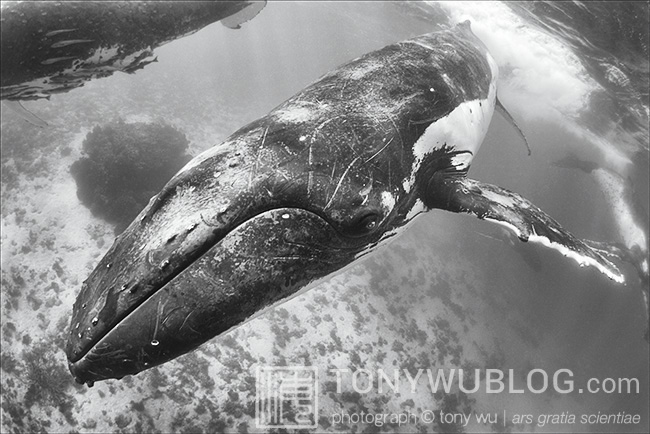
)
(265, 260)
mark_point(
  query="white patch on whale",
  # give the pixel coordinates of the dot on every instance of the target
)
(582, 261)
(418, 208)
(249, 12)
(503, 200)
(294, 114)
(462, 161)
(464, 128)
(365, 68)
(387, 201)
(299, 111)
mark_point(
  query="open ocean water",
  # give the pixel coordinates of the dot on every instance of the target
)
(452, 292)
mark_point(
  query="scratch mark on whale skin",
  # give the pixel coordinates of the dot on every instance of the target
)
(345, 173)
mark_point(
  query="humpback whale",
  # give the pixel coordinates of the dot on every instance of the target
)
(53, 47)
(628, 215)
(325, 178)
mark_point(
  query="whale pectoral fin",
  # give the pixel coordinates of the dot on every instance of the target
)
(248, 13)
(528, 222)
(508, 117)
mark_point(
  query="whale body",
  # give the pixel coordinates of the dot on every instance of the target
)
(54, 47)
(296, 196)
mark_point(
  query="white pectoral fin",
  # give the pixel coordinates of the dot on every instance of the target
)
(528, 222)
(248, 13)
(508, 117)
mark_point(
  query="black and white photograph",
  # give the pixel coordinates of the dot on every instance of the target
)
(234, 216)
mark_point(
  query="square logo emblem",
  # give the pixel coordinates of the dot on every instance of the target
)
(287, 397)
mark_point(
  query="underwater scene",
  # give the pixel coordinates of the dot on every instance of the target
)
(252, 217)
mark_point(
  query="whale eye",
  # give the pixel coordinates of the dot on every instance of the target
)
(370, 222)
(364, 224)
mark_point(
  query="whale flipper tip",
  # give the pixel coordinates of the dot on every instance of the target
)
(527, 221)
(248, 13)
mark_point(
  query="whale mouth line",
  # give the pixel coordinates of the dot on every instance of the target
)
(199, 253)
